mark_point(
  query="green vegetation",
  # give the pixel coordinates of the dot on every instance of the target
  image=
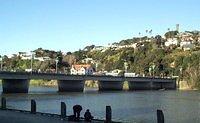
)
(149, 52)
(43, 83)
(125, 86)
(16, 63)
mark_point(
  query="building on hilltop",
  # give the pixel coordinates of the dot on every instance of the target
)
(29, 55)
(88, 61)
(186, 36)
(186, 45)
(82, 69)
(98, 48)
(24, 55)
(171, 41)
(42, 58)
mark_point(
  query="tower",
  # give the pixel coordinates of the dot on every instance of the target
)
(177, 27)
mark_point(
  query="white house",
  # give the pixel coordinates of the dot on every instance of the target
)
(24, 55)
(171, 41)
(88, 60)
(82, 69)
(42, 58)
(186, 45)
(186, 36)
(113, 73)
(98, 48)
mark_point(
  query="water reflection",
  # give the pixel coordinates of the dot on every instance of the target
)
(136, 106)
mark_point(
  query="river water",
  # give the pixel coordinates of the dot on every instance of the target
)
(127, 106)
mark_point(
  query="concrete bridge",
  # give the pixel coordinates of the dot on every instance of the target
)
(18, 82)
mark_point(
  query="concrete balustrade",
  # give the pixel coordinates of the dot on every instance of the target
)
(160, 116)
(63, 110)
(33, 107)
(3, 103)
(108, 114)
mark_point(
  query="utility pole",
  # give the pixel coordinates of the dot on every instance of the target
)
(32, 57)
(181, 72)
(153, 67)
(140, 37)
(150, 70)
(96, 66)
(1, 59)
(125, 66)
(56, 65)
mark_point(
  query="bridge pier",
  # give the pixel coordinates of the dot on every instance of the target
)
(110, 85)
(70, 85)
(15, 85)
(166, 85)
(152, 84)
(137, 85)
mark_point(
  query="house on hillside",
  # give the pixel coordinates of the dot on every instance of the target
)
(171, 41)
(97, 48)
(186, 36)
(88, 61)
(81, 69)
(186, 45)
(42, 58)
(24, 55)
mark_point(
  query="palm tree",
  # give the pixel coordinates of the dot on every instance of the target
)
(150, 32)
(139, 35)
(147, 32)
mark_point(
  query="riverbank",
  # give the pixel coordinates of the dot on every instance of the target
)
(48, 83)
(11, 116)
(184, 85)
(53, 83)
(19, 117)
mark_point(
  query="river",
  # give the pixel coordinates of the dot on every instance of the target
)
(127, 106)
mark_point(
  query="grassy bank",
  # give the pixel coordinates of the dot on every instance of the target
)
(50, 83)
(125, 86)
(53, 83)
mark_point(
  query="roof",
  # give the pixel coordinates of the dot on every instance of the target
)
(79, 66)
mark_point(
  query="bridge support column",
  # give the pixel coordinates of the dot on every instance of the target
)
(166, 85)
(110, 85)
(134, 85)
(15, 85)
(152, 84)
(70, 85)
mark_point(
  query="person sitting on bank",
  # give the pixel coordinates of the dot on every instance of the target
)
(77, 109)
(88, 117)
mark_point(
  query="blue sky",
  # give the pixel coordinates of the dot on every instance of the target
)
(69, 25)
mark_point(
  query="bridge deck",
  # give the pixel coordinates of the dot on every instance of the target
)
(18, 82)
(54, 76)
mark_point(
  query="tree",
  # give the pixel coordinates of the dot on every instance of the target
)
(158, 40)
(88, 48)
(69, 53)
(79, 55)
(171, 34)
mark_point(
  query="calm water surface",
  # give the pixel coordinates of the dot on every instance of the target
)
(131, 107)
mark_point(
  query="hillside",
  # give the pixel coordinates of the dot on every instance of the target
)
(142, 55)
